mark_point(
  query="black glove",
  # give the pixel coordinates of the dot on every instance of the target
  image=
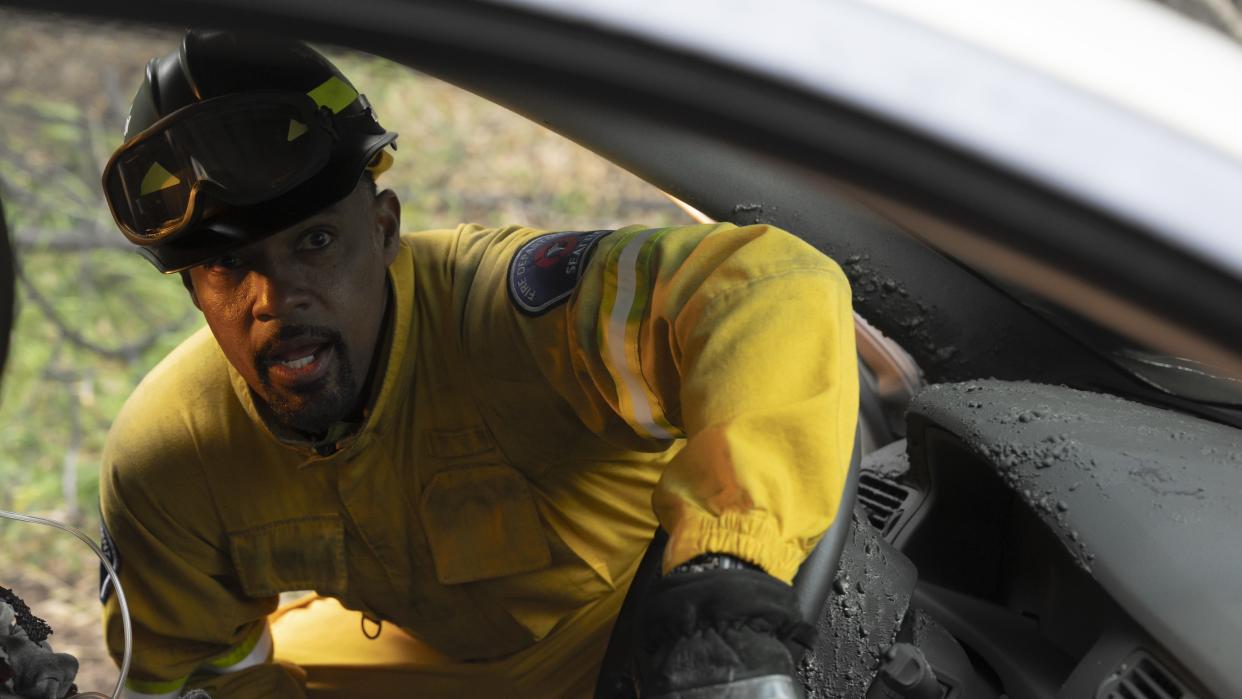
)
(734, 633)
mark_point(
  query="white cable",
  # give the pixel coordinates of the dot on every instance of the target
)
(116, 582)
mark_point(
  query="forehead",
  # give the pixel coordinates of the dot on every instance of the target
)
(351, 212)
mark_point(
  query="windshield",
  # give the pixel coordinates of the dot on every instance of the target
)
(1176, 376)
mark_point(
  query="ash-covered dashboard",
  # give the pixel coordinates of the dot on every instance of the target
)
(1076, 544)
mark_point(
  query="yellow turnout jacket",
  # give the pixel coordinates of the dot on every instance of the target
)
(546, 398)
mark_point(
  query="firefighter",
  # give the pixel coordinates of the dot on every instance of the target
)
(462, 440)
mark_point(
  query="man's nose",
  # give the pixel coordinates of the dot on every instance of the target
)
(278, 295)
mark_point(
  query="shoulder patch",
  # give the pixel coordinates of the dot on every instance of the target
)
(545, 270)
(110, 552)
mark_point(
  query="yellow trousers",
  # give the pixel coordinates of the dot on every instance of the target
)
(327, 641)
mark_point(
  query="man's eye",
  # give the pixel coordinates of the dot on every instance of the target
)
(315, 240)
(225, 262)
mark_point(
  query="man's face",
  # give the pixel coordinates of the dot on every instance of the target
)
(299, 313)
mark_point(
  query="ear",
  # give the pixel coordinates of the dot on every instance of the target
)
(388, 223)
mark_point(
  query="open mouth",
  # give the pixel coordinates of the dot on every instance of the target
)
(298, 362)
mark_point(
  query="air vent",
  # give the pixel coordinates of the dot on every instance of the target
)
(885, 500)
(1141, 677)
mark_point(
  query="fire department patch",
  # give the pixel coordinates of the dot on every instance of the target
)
(110, 552)
(545, 270)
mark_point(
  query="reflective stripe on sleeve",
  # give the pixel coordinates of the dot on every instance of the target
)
(255, 650)
(637, 406)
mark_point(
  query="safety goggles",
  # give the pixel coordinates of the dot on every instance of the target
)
(236, 150)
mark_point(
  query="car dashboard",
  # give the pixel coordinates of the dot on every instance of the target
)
(1073, 544)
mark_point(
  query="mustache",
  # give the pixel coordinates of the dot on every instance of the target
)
(290, 333)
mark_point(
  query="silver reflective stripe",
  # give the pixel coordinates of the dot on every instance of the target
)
(618, 325)
(765, 687)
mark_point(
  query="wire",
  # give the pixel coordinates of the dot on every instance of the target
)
(116, 582)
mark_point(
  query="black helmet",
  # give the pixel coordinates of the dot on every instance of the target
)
(231, 138)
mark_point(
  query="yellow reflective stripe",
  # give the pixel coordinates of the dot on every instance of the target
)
(157, 178)
(137, 689)
(333, 93)
(255, 650)
(627, 292)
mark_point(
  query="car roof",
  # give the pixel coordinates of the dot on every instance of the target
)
(1065, 102)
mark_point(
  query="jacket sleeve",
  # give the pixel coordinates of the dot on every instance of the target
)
(189, 616)
(739, 341)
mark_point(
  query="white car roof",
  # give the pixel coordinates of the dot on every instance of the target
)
(1122, 104)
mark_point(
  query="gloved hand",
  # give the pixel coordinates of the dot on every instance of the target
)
(731, 633)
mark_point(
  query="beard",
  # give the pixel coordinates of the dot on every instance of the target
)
(313, 407)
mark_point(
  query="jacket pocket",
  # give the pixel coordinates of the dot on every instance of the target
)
(307, 553)
(481, 523)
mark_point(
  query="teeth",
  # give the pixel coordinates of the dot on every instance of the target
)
(299, 362)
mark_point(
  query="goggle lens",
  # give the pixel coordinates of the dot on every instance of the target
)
(151, 183)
